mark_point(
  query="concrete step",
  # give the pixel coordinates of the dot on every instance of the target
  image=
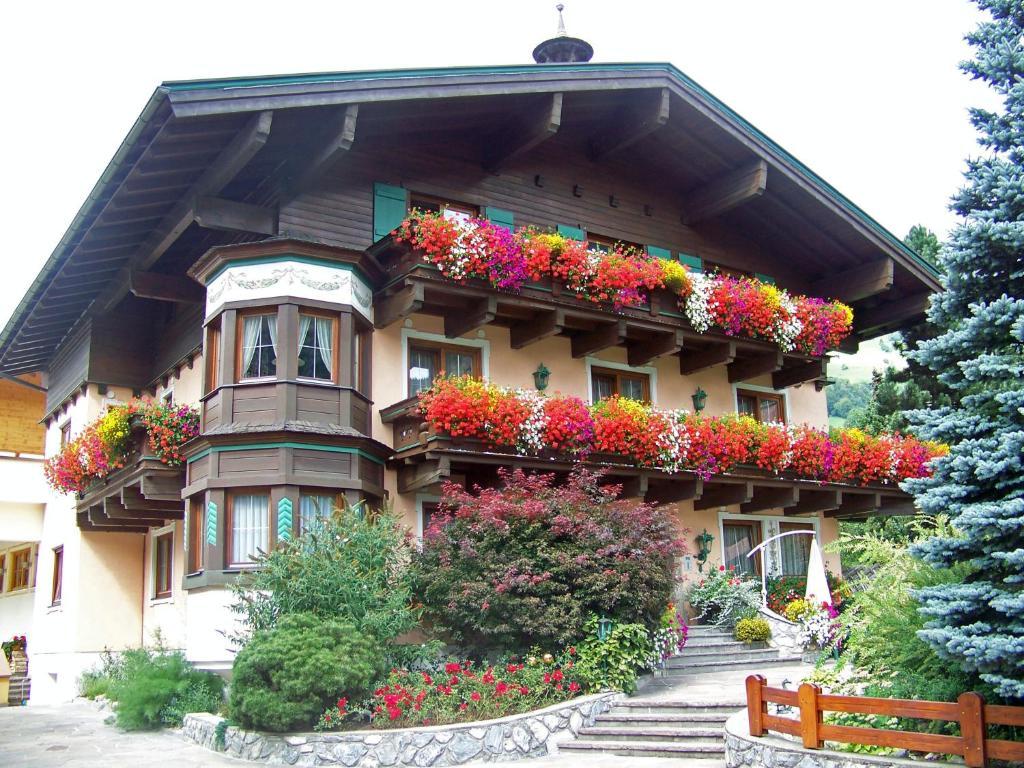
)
(655, 720)
(669, 707)
(697, 669)
(710, 750)
(678, 662)
(602, 732)
(709, 630)
(720, 645)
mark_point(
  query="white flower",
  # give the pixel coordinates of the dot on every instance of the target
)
(698, 303)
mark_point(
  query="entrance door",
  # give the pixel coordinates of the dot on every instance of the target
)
(741, 536)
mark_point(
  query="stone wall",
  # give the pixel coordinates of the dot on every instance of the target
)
(510, 738)
(777, 751)
(785, 635)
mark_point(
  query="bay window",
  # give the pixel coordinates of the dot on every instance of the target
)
(248, 527)
(258, 346)
(317, 347)
(313, 506)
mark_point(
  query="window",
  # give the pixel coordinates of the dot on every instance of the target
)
(258, 346)
(249, 526)
(3, 572)
(763, 406)
(361, 363)
(738, 538)
(428, 509)
(167, 398)
(314, 505)
(449, 208)
(428, 360)
(163, 564)
(65, 433)
(710, 266)
(21, 568)
(607, 244)
(212, 357)
(606, 382)
(197, 534)
(58, 575)
(796, 550)
(317, 338)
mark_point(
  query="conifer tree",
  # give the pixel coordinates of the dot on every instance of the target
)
(979, 353)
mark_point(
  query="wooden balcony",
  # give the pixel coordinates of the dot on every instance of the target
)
(143, 494)
(424, 459)
(545, 309)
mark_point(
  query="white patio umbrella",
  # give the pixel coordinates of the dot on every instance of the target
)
(817, 583)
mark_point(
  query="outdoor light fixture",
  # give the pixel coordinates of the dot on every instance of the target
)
(540, 377)
(700, 399)
(604, 628)
(703, 547)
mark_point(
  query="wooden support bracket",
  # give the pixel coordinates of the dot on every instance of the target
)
(334, 146)
(541, 327)
(720, 354)
(642, 352)
(800, 374)
(856, 503)
(175, 288)
(634, 487)
(757, 365)
(723, 194)
(522, 136)
(857, 283)
(674, 491)
(401, 304)
(815, 501)
(725, 496)
(467, 319)
(891, 313)
(602, 337)
(640, 120)
(769, 497)
(424, 474)
(231, 216)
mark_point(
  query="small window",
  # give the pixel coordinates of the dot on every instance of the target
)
(163, 564)
(21, 568)
(449, 208)
(258, 346)
(765, 407)
(314, 505)
(722, 269)
(58, 575)
(65, 433)
(607, 244)
(427, 361)
(739, 539)
(361, 362)
(317, 339)
(167, 398)
(606, 382)
(428, 510)
(196, 534)
(212, 357)
(249, 526)
(796, 550)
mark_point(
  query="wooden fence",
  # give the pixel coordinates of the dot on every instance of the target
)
(969, 710)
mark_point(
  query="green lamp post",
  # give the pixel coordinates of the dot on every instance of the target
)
(540, 377)
(703, 549)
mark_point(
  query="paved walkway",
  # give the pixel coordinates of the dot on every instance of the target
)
(75, 736)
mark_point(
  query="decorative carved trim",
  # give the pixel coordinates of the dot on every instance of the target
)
(284, 519)
(211, 524)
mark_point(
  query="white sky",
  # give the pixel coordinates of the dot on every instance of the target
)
(868, 94)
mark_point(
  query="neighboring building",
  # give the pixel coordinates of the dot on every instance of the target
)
(23, 497)
(234, 256)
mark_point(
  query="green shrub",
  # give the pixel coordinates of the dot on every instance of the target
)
(351, 567)
(156, 689)
(615, 662)
(526, 563)
(285, 677)
(753, 630)
(723, 597)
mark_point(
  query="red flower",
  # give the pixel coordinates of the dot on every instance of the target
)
(574, 686)
(475, 696)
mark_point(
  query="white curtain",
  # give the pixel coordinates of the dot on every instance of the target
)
(312, 506)
(324, 341)
(249, 526)
(272, 327)
(304, 321)
(796, 552)
(250, 337)
(736, 545)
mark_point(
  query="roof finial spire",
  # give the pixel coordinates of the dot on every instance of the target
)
(562, 49)
(561, 22)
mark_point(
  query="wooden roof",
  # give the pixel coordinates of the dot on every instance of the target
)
(249, 139)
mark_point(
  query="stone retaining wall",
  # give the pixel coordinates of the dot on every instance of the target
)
(777, 751)
(510, 738)
(785, 634)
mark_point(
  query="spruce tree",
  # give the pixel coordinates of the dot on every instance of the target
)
(979, 622)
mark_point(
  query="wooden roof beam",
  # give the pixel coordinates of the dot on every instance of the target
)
(812, 501)
(174, 288)
(424, 474)
(756, 365)
(674, 491)
(602, 337)
(857, 283)
(719, 354)
(658, 345)
(856, 504)
(800, 374)
(229, 162)
(891, 313)
(467, 319)
(723, 194)
(520, 137)
(725, 496)
(631, 125)
(399, 305)
(232, 216)
(771, 497)
(543, 326)
(334, 147)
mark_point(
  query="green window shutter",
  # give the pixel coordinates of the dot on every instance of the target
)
(499, 217)
(659, 253)
(390, 204)
(573, 233)
(693, 262)
(764, 278)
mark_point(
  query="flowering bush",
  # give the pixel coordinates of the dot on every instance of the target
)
(819, 624)
(724, 596)
(783, 590)
(104, 446)
(459, 691)
(528, 562)
(752, 630)
(670, 636)
(624, 275)
(668, 440)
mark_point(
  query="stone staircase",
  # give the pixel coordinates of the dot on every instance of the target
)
(658, 723)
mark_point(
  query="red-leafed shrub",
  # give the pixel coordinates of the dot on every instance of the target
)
(528, 562)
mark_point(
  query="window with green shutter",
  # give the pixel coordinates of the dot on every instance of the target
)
(390, 204)
(659, 253)
(693, 262)
(764, 278)
(573, 233)
(499, 217)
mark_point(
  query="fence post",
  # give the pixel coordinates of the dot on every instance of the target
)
(972, 728)
(810, 716)
(757, 707)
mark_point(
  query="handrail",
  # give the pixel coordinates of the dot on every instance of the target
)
(969, 711)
